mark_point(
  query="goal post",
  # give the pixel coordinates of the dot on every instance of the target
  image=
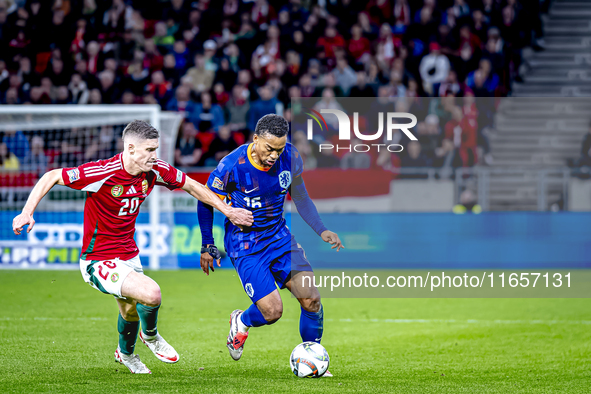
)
(41, 138)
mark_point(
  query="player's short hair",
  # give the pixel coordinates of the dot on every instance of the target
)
(272, 124)
(140, 130)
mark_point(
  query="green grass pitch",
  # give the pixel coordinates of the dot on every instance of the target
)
(57, 334)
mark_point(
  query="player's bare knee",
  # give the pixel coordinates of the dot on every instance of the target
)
(311, 304)
(273, 313)
(153, 296)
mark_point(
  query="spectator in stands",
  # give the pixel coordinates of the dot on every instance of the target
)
(12, 97)
(358, 46)
(344, 75)
(78, 89)
(356, 160)
(171, 74)
(414, 157)
(128, 98)
(109, 91)
(188, 150)
(221, 146)
(461, 130)
(327, 159)
(63, 96)
(207, 116)
(95, 97)
(182, 101)
(36, 160)
(468, 203)
(328, 43)
(266, 105)
(429, 135)
(491, 80)
(201, 78)
(159, 88)
(361, 89)
(8, 160)
(16, 143)
(434, 67)
(237, 108)
(328, 102)
(103, 145)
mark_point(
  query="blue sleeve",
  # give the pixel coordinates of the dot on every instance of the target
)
(205, 216)
(305, 206)
(218, 180)
(299, 194)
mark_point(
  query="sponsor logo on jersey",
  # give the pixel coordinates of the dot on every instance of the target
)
(145, 186)
(249, 290)
(73, 175)
(285, 179)
(179, 176)
(217, 183)
(117, 190)
(114, 277)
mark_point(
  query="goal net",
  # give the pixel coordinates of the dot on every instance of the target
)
(36, 139)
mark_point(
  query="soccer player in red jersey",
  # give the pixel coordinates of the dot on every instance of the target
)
(109, 261)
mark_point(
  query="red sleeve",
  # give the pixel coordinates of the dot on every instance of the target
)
(169, 176)
(88, 175)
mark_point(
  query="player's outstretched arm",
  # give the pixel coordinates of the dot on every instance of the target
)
(209, 252)
(238, 216)
(309, 213)
(47, 181)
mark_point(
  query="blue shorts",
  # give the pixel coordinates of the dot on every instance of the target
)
(260, 272)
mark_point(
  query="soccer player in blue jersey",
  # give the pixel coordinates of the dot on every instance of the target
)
(257, 177)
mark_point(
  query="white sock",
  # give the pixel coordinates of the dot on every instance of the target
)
(148, 337)
(241, 327)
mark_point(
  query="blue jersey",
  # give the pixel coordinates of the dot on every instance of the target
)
(247, 185)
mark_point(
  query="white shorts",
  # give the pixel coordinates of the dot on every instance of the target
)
(107, 276)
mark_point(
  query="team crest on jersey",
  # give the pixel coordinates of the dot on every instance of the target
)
(117, 190)
(145, 186)
(73, 175)
(217, 183)
(285, 179)
(114, 277)
(249, 289)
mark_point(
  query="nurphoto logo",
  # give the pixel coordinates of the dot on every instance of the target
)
(344, 122)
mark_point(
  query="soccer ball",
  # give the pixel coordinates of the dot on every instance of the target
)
(309, 360)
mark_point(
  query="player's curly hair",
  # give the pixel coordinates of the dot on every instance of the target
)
(140, 130)
(272, 124)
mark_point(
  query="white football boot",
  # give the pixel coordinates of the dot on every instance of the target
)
(236, 339)
(131, 361)
(161, 349)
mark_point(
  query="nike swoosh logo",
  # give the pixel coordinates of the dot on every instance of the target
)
(249, 191)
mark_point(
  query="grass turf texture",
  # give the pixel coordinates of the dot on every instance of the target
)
(58, 335)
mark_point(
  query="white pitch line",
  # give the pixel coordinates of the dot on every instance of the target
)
(390, 321)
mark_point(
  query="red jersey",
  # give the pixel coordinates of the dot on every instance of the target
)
(113, 200)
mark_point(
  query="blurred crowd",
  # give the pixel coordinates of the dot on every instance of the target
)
(226, 63)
